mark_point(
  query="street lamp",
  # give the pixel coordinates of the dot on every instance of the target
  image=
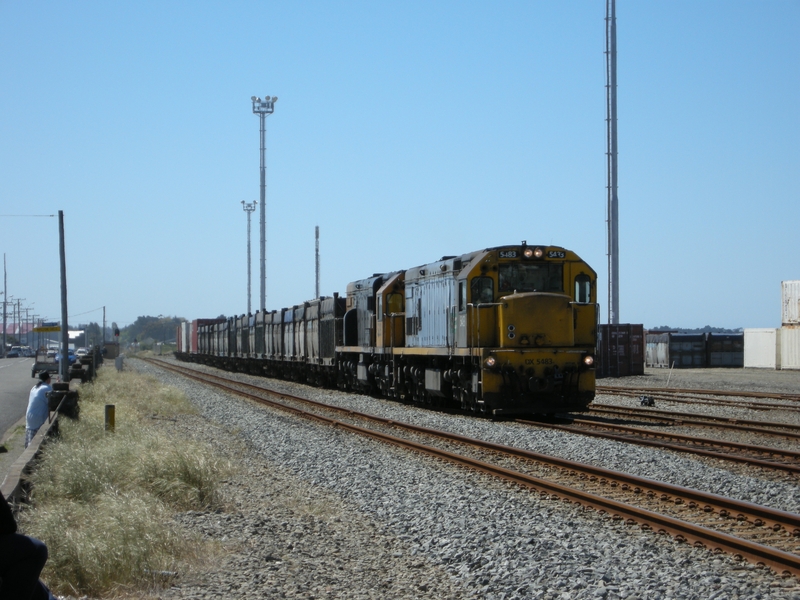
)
(248, 208)
(263, 108)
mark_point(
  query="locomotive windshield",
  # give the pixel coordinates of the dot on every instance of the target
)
(530, 277)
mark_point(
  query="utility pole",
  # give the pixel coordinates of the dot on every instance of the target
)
(611, 126)
(5, 297)
(248, 208)
(263, 108)
(63, 367)
(316, 235)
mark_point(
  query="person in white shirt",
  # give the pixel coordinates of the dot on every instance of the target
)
(38, 407)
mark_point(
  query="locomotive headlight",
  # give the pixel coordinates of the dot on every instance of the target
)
(528, 253)
(538, 253)
(588, 360)
(490, 361)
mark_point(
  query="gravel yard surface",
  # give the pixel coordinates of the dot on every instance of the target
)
(315, 512)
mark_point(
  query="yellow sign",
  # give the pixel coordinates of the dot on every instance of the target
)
(47, 329)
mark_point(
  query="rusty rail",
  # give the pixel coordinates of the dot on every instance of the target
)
(697, 419)
(690, 443)
(783, 562)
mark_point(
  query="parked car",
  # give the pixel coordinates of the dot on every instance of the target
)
(13, 353)
(70, 357)
(81, 352)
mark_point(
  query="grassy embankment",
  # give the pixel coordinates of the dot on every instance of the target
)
(103, 502)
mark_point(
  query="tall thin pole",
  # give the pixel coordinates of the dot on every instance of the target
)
(316, 236)
(248, 208)
(263, 108)
(613, 200)
(5, 297)
(63, 366)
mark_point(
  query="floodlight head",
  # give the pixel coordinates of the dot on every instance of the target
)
(253, 98)
(274, 98)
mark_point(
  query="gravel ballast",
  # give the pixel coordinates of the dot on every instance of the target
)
(316, 512)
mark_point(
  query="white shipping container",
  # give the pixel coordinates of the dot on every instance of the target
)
(762, 349)
(790, 347)
(790, 302)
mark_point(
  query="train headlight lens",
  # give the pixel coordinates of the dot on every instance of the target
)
(528, 253)
(490, 362)
(588, 360)
(538, 253)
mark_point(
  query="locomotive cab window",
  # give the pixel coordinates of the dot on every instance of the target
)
(527, 277)
(583, 289)
(394, 303)
(380, 308)
(462, 296)
(482, 290)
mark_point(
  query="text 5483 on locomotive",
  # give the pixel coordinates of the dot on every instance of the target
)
(505, 330)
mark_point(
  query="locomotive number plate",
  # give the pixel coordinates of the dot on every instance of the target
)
(556, 254)
(508, 254)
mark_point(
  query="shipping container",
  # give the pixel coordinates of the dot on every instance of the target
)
(657, 350)
(762, 348)
(790, 296)
(620, 350)
(725, 350)
(687, 350)
(790, 347)
(182, 337)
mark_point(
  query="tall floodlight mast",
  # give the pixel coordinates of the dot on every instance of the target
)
(611, 126)
(263, 108)
(248, 208)
(316, 257)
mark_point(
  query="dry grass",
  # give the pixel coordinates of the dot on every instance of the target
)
(103, 501)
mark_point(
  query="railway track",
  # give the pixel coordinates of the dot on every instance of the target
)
(747, 531)
(701, 397)
(672, 418)
(758, 456)
(611, 389)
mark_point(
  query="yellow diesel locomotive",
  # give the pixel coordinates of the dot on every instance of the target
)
(506, 330)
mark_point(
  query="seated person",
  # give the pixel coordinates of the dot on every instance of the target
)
(21, 560)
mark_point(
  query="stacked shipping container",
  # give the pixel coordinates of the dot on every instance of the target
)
(790, 325)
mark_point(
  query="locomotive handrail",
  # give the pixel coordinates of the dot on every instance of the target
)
(479, 305)
(391, 327)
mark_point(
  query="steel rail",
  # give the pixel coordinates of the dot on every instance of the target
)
(642, 440)
(739, 393)
(785, 563)
(713, 402)
(695, 419)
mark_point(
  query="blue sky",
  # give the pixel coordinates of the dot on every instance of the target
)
(406, 131)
